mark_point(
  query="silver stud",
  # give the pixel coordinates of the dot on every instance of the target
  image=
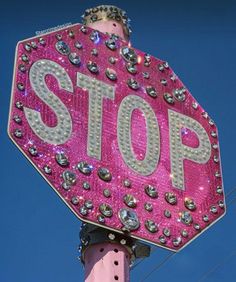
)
(170, 198)
(75, 200)
(18, 133)
(213, 134)
(168, 98)
(24, 58)
(127, 183)
(186, 217)
(69, 177)
(214, 146)
(179, 94)
(88, 204)
(123, 241)
(129, 219)
(104, 174)
(62, 48)
(20, 86)
(111, 44)
(131, 68)
(111, 74)
(106, 210)
(62, 159)
(130, 200)
(189, 204)
(83, 29)
(42, 41)
(92, 67)
(148, 207)
(74, 59)
(17, 119)
(151, 226)
(216, 159)
(197, 226)
(94, 52)
(112, 60)
(27, 47)
(166, 232)
(66, 186)
(111, 236)
(33, 151)
(146, 75)
(161, 67)
(162, 239)
(217, 174)
(219, 190)
(83, 210)
(151, 91)
(177, 241)
(133, 84)
(84, 167)
(163, 81)
(151, 191)
(47, 169)
(213, 209)
(58, 36)
(19, 105)
(167, 213)
(195, 105)
(86, 185)
(221, 204)
(205, 218)
(22, 68)
(34, 45)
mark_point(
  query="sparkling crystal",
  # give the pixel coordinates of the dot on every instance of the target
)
(94, 36)
(221, 204)
(151, 191)
(173, 77)
(219, 190)
(42, 41)
(166, 65)
(205, 218)
(133, 84)
(33, 151)
(27, 47)
(104, 174)
(88, 204)
(34, 45)
(62, 159)
(18, 133)
(146, 74)
(217, 174)
(123, 241)
(148, 207)
(111, 74)
(111, 44)
(162, 239)
(151, 91)
(78, 45)
(101, 218)
(84, 167)
(189, 204)
(83, 210)
(151, 226)
(161, 67)
(131, 68)
(107, 193)
(86, 185)
(184, 233)
(94, 52)
(129, 55)
(129, 219)
(92, 67)
(170, 198)
(205, 115)
(22, 68)
(163, 81)
(25, 58)
(166, 232)
(47, 169)
(83, 29)
(213, 209)
(20, 86)
(19, 105)
(130, 200)
(167, 213)
(69, 177)
(216, 159)
(75, 200)
(177, 241)
(112, 60)
(213, 134)
(17, 119)
(66, 186)
(169, 98)
(74, 59)
(195, 105)
(71, 34)
(62, 48)
(214, 146)
(186, 217)
(197, 226)
(179, 94)
(58, 36)
(127, 183)
(211, 122)
(106, 210)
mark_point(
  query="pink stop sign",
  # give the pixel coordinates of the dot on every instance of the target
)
(117, 135)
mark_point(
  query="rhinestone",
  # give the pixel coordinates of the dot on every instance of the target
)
(83, 210)
(101, 218)
(205, 218)
(62, 159)
(186, 217)
(161, 67)
(214, 146)
(131, 68)
(42, 41)
(18, 133)
(146, 74)
(112, 60)
(25, 58)
(111, 44)
(17, 119)
(184, 233)
(66, 186)
(219, 190)
(163, 81)
(94, 36)
(177, 241)
(111, 74)
(104, 174)
(19, 105)
(162, 239)
(167, 213)
(71, 34)
(106, 210)
(127, 183)
(147, 60)
(213, 209)
(84, 168)
(195, 105)
(62, 48)
(221, 204)
(33, 151)
(94, 52)
(47, 169)
(58, 36)
(83, 29)
(129, 219)
(205, 115)
(217, 174)
(216, 159)
(22, 68)
(20, 86)
(130, 200)
(34, 45)
(86, 185)
(197, 226)
(151, 226)
(213, 134)
(27, 47)
(133, 84)
(173, 77)
(171, 198)
(69, 177)
(166, 65)
(88, 204)
(75, 200)
(78, 45)
(211, 122)
(129, 55)
(92, 67)
(151, 191)
(151, 91)
(148, 207)
(166, 232)
(179, 94)
(111, 236)
(107, 193)
(74, 59)
(189, 204)
(169, 98)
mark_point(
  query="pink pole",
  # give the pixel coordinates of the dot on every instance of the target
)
(107, 262)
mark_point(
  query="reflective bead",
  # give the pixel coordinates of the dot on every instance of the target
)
(151, 191)
(111, 74)
(62, 48)
(106, 210)
(189, 204)
(18, 133)
(104, 174)
(131, 68)
(47, 169)
(84, 167)
(69, 177)
(111, 44)
(92, 67)
(133, 84)
(130, 200)
(151, 226)
(148, 207)
(171, 198)
(186, 217)
(129, 219)
(88, 204)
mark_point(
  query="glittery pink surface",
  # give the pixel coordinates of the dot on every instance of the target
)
(200, 180)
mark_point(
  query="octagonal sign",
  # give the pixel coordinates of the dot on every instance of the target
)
(117, 135)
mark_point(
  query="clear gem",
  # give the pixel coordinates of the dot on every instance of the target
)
(213, 134)
(127, 183)
(74, 59)
(22, 68)
(171, 198)
(106, 210)
(111, 236)
(62, 48)
(66, 186)
(130, 200)
(169, 98)
(129, 55)
(189, 204)
(177, 241)
(221, 204)
(213, 209)
(186, 217)
(69, 177)
(94, 52)
(25, 58)
(151, 191)
(123, 241)
(205, 115)
(107, 193)
(33, 151)
(88, 204)
(112, 60)
(17, 119)
(197, 226)
(83, 210)
(217, 174)
(42, 41)
(94, 36)
(62, 159)
(195, 105)
(34, 45)
(146, 74)
(111, 44)
(27, 47)
(101, 218)
(129, 219)
(84, 168)
(111, 74)
(173, 77)
(184, 233)
(83, 29)
(162, 239)
(166, 232)
(131, 68)
(104, 174)
(148, 207)
(86, 185)
(179, 94)
(214, 146)
(75, 200)
(163, 81)
(166, 65)
(20, 86)
(151, 91)
(216, 159)
(71, 34)
(92, 67)
(78, 45)
(58, 36)
(219, 190)
(211, 122)
(133, 84)
(151, 226)
(47, 169)
(19, 105)
(161, 67)
(167, 213)
(205, 218)
(18, 133)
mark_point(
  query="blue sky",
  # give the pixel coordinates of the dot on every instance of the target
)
(39, 235)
